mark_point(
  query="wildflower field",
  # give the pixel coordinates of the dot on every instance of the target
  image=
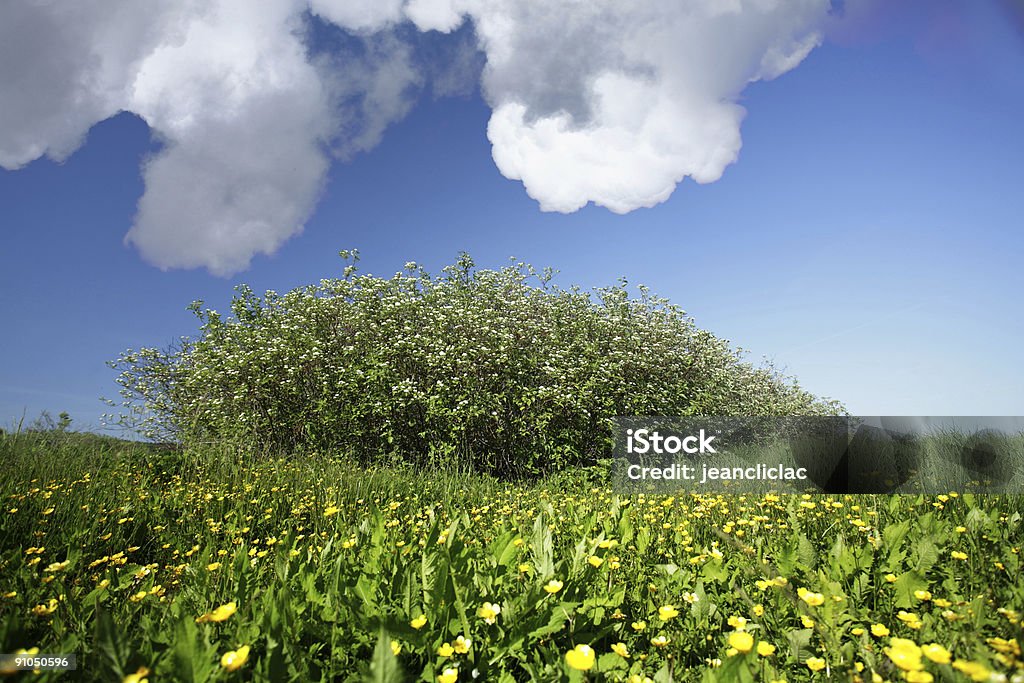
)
(211, 565)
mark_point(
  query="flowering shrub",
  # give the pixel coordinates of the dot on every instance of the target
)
(498, 370)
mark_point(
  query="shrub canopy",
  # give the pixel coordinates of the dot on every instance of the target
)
(499, 370)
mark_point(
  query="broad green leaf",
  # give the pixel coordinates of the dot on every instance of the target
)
(384, 667)
(905, 585)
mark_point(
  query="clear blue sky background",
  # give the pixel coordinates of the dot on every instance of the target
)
(868, 239)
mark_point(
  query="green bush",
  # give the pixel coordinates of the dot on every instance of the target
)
(499, 371)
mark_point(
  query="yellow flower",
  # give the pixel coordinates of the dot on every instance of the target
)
(909, 618)
(924, 596)
(957, 555)
(138, 677)
(233, 660)
(765, 649)
(738, 623)
(449, 675)
(222, 613)
(1004, 646)
(806, 621)
(667, 612)
(879, 630)
(446, 650)
(905, 654)
(620, 649)
(524, 568)
(936, 653)
(858, 631)
(488, 612)
(45, 610)
(595, 561)
(973, 670)
(332, 510)
(758, 610)
(815, 663)
(580, 657)
(918, 677)
(741, 640)
(462, 645)
(213, 566)
(396, 647)
(891, 578)
(660, 641)
(56, 566)
(639, 626)
(812, 599)
(553, 586)
(419, 622)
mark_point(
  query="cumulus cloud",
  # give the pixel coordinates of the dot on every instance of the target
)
(244, 115)
(602, 101)
(65, 66)
(372, 82)
(616, 102)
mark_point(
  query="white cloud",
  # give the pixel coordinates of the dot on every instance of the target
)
(66, 65)
(247, 116)
(616, 102)
(603, 101)
(244, 115)
(360, 15)
(436, 15)
(370, 87)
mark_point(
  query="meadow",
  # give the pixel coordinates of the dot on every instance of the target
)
(408, 479)
(214, 563)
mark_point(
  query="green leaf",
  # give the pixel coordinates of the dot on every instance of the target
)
(806, 553)
(893, 534)
(927, 554)
(905, 586)
(109, 644)
(384, 667)
(505, 550)
(186, 657)
(800, 644)
(543, 548)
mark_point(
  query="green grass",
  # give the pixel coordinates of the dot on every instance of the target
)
(330, 568)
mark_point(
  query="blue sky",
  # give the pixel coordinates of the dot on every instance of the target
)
(867, 238)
